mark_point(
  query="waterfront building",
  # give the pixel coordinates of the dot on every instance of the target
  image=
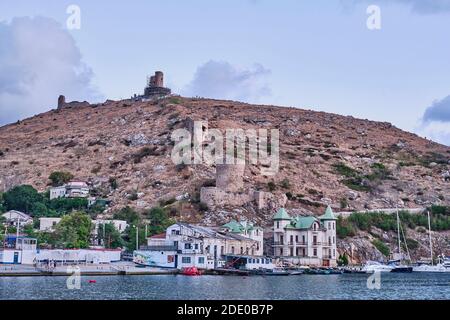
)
(185, 245)
(246, 229)
(307, 240)
(17, 218)
(18, 250)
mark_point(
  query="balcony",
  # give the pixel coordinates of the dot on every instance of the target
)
(315, 244)
(277, 243)
(158, 248)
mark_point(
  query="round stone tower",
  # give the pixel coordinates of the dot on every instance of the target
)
(61, 101)
(229, 177)
(159, 79)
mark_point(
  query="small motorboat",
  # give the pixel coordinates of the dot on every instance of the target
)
(191, 271)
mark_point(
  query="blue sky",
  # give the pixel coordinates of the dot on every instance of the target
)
(310, 54)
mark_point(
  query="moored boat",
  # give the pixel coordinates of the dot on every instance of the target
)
(375, 266)
(191, 271)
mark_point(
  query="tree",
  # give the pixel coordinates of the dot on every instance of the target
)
(343, 260)
(22, 198)
(74, 230)
(159, 220)
(111, 236)
(59, 178)
(130, 235)
(2, 207)
(129, 215)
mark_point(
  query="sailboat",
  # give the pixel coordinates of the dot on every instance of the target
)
(444, 262)
(397, 265)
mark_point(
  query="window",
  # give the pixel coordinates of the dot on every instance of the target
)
(334, 240)
(315, 226)
(281, 240)
(315, 240)
(242, 250)
(278, 224)
(329, 241)
(315, 253)
(296, 239)
(187, 246)
(304, 239)
(281, 252)
(222, 250)
(196, 246)
(186, 260)
(292, 239)
(291, 253)
(232, 250)
(201, 260)
(297, 251)
(334, 225)
(334, 253)
(304, 252)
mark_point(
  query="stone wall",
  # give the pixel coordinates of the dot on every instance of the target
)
(230, 177)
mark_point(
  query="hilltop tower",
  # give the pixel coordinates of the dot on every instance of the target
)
(155, 86)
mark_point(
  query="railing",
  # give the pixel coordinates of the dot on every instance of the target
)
(158, 248)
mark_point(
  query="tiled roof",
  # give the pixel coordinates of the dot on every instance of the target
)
(282, 215)
(329, 215)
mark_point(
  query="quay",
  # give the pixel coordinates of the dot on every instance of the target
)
(122, 268)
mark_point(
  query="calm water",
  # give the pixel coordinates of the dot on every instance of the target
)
(325, 287)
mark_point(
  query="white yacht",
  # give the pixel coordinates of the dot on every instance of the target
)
(374, 266)
(443, 264)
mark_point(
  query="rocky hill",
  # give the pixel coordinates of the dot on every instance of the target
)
(123, 149)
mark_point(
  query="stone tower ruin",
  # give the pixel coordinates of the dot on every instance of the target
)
(155, 86)
(230, 177)
(61, 101)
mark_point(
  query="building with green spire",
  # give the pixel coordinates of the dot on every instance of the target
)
(305, 240)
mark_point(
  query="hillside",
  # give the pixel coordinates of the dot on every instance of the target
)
(325, 158)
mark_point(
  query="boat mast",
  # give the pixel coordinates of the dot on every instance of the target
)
(429, 232)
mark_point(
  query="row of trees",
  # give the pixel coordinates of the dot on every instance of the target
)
(75, 228)
(440, 221)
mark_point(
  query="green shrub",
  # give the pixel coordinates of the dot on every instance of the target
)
(286, 184)
(345, 170)
(344, 228)
(382, 247)
(59, 178)
(272, 186)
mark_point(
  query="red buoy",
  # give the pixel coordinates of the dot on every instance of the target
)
(92, 281)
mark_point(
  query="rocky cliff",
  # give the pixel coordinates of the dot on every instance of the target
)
(123, 149)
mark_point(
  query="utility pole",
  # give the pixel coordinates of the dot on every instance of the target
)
(429, 232)
(137, 237)
(146, 231)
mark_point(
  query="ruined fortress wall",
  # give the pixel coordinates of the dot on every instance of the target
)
(230, 177)
(215, 197)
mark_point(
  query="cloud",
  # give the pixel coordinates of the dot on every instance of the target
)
(435, 123)
(221, 80)
(39, 60)
(438, 111)
(417, 6)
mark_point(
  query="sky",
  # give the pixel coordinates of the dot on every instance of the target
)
(317, 55)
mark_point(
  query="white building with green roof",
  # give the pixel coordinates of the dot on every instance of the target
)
(248, 230)
(307, 240)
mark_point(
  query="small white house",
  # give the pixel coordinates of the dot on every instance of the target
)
(74, 189)
(48, 224)
(120, 225)
(14, 217)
